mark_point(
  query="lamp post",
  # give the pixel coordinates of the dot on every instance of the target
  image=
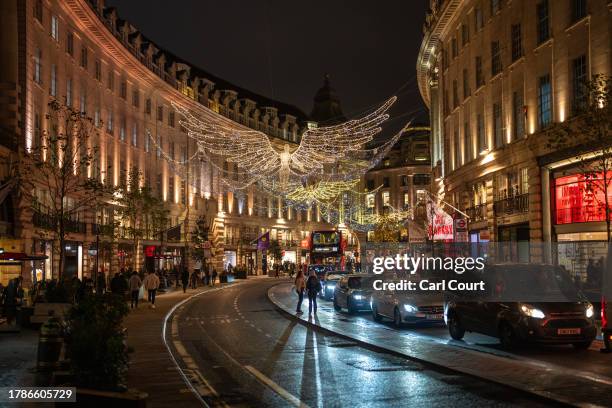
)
(95, 251)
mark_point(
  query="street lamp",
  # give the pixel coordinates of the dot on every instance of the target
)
(95, 251)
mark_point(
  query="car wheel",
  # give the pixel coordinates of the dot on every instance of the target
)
(349, 307)
(455, 328)
(583, 345)
(336, 305)
(397, 318)
(507, 336)
(375, 315)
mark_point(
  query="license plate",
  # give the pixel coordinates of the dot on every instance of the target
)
(434, 316)
(568, 331)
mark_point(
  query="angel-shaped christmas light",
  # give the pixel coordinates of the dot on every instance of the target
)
(333, 154)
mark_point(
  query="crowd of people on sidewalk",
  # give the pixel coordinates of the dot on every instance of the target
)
(127, 283)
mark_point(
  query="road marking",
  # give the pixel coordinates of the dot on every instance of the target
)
(197, 390)
(295, 401)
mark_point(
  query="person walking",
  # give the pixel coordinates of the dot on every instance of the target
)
(151, 283)
(313, 287)
(300, 285)
(206, 277)
(134, 285)
(101, 282)
(192, 279)
(213, 278)
(185, 279)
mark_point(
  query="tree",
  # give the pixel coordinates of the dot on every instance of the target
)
(199, 236)
(56, 175)
(275, 250)
(589, 134)
(141, 213)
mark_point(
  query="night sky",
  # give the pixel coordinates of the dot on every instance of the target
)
(282, 49)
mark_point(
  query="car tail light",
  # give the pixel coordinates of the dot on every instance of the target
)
(604, 320)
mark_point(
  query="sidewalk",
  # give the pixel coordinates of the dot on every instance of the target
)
(18, 357)
(151, 367)
(555, 382)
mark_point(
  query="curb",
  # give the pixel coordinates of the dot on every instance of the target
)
(544, 396)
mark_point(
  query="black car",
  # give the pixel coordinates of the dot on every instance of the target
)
(553, 310)
(353, 292)
(329, 282)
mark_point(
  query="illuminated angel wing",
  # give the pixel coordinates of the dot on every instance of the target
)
(216, 135)
(328, 145)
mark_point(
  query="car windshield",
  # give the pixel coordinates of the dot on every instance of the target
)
(360, 282)
(540, 282)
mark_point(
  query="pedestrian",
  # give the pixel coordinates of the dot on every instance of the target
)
(192, 280)
(117, 284)
(206, 277)
(213, 279)
(134, 286)
(313, 287)
(151, 283)
(11, 300)
(300, 285)
(185, 279)
(101, 283)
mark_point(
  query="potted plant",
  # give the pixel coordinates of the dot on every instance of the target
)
(52, 298)
(97, 349)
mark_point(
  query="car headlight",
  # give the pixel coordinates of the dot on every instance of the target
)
(532, 312)
(330, 285)
(357, 296)
(411, 308)
(590, 311)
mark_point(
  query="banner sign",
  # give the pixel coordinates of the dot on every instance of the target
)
(440, 223)
(263, 242)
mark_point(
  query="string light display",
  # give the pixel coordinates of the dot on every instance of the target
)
(320, 191)
(328, 154)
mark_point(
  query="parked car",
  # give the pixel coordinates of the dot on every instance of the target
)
(412, 307)
(328, 284)
(353, 292)
(553, 311)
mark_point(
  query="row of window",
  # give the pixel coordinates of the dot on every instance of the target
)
(518, 115)
(578, 11)
(54, 31)
(417, 180)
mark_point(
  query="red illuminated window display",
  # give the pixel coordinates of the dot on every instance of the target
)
(580, 198)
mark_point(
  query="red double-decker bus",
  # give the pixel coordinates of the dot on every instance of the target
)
(327, 248)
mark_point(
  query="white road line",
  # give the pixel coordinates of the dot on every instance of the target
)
(295, 401)
(180, 306)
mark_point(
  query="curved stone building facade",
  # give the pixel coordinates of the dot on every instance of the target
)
(496, 75)
(83, 54)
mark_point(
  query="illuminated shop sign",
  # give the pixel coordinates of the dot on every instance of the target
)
(580, 198)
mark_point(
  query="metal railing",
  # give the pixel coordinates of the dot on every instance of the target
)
(477, 212)
(512, 205)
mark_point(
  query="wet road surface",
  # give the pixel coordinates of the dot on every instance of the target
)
(248, 354)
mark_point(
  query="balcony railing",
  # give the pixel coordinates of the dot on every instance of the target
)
(43, 220)
(477, 212)
(75, 226)
(102, 229)
(512, 205)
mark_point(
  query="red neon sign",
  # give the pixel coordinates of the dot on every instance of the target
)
(580, 198)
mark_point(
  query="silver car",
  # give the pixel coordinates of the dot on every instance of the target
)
(410, 307)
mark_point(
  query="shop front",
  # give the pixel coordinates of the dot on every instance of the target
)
(579, 219)
(73, 259)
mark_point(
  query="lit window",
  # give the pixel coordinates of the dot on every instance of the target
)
(54, 27)
(386, 198)
(544, 101)
(370, 200)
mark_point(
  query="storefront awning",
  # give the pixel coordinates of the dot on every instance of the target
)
(20, 256)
